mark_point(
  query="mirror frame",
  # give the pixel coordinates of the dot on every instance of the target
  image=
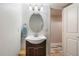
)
(42, 22)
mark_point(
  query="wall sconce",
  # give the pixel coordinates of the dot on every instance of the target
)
(35, 8)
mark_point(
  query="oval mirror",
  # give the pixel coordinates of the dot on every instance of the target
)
(36, 23)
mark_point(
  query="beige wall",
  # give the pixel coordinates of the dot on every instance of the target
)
(56, 26)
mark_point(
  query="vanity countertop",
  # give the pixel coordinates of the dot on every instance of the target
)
(34, 37)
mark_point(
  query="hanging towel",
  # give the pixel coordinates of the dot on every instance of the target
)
(24, 31)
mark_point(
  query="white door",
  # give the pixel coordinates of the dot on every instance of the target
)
(70, 29)
(71, 47)
(72, 19)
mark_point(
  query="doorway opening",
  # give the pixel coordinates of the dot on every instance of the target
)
(56, 32)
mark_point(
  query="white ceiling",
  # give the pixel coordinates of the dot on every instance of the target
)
(58, 5)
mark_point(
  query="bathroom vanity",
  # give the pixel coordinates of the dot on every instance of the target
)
(36, 49)
(36, 42)
(36, 39)
(36, 46)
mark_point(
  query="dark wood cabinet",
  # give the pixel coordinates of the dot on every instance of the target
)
(36, 49)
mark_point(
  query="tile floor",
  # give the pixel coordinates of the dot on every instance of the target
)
(56, 52)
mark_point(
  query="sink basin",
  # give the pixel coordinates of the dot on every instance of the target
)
(35, 40)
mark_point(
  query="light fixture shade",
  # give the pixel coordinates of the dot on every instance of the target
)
(30, 8)
(36, 8)
(41, 8)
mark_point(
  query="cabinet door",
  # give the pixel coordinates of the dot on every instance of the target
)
(35, 51)
(30, 51)
(71, 47)
(41, 51)
(72, 19)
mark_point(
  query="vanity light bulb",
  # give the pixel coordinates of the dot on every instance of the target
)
(36, 8)
(41, 8)
(30, 8)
